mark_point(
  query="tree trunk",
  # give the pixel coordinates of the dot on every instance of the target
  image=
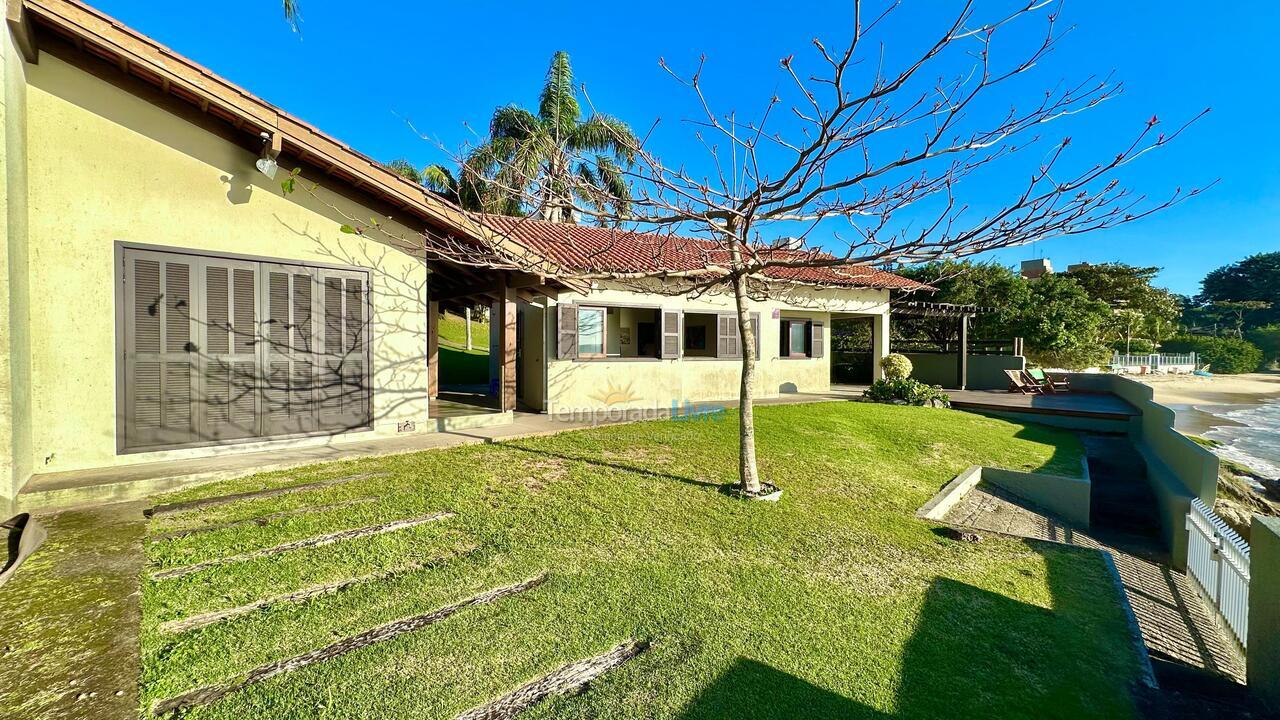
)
(748, 473)
(467, 316)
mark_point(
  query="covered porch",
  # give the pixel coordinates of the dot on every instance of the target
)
(516, 376)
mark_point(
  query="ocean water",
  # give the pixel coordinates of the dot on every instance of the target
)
(1255, 443)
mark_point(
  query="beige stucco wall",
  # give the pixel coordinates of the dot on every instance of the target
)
(15, 336)
(105, 167)
(589, 385)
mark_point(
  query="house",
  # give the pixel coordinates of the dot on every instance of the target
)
(165, 299)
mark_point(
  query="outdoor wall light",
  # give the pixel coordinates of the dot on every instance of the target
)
(271, 146)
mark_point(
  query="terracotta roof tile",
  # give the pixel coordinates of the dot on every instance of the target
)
(591, 249)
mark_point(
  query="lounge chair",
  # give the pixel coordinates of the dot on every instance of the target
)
(1041, 378)
(1019, 382)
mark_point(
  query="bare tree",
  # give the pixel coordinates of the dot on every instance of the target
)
(859, 164)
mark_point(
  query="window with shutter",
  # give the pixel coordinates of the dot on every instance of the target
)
(220, 349)
(567, 332)
(672, 336)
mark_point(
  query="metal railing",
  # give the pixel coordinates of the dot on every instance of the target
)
(1157, 360)
(1218, 561)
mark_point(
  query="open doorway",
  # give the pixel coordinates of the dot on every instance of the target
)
(852, 350)
(466, 343)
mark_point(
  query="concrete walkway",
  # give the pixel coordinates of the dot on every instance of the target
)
(1175, 623)
(69, 626)
(52, 491)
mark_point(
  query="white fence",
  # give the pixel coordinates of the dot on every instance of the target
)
(1156, 362)
(1218, 560)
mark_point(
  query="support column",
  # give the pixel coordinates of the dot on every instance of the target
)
(879, 344)
(506, 322)
(962, 355)
(433, 349)
(1264, 611)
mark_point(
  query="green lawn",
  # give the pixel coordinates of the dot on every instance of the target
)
(453, 331)
(834, 603)
(459, 366)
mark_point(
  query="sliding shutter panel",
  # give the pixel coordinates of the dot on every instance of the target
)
(160, 349)
(566, 332)
(344, 387)
(671, 335)
(818, 342)
(289, 385)
(727, 342)
(230, 395)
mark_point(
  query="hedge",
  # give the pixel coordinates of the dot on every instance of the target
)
(1225, 356)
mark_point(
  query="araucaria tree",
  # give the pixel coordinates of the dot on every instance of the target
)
(546, 163)
(854, 160)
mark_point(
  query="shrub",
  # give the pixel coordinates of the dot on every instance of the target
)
(1227, 356)
(1267, 338)
(1071, 358)
(908, 390)
(1135, 347)
(896, 366)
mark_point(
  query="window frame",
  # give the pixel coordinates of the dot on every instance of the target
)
(604, 332)
(785, 325)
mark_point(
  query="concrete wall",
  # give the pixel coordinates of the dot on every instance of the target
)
(1264, 610)
(1068, 498)
(986, 372)
(105, 166)
(1177, 468)
(645, 383)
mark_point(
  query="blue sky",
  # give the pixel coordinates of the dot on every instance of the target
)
(363, 72)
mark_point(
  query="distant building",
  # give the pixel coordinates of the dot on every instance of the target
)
(1032, 269)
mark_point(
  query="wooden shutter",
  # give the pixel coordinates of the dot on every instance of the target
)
(160, 349)
(755, 333)
(817, 340)
(566, 331)
(343, 392)
(230, 397)
(289, 393)
(728, 344)
(672, 337)
(784, 339)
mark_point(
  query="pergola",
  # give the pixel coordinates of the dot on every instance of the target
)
(961, 314)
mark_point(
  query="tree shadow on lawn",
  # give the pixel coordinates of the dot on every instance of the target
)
(974, 654)
(595, 460)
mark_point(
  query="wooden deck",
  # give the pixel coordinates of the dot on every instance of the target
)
(1102, 406)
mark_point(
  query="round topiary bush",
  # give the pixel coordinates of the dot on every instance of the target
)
(896, 366)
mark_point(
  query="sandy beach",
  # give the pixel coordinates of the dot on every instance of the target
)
(1202, 402)
(1250, 389)
(1239, 411)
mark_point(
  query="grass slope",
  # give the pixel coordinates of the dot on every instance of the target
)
(836, 602)
(459, 366)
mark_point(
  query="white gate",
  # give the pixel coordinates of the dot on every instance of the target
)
(1218, 560)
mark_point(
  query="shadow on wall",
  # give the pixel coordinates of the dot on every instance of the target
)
(974, 654)
(788, 388)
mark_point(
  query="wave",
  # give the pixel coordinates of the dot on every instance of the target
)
(1255, 442)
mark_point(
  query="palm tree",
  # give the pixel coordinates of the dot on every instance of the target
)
(291, 13)
(533, 156)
